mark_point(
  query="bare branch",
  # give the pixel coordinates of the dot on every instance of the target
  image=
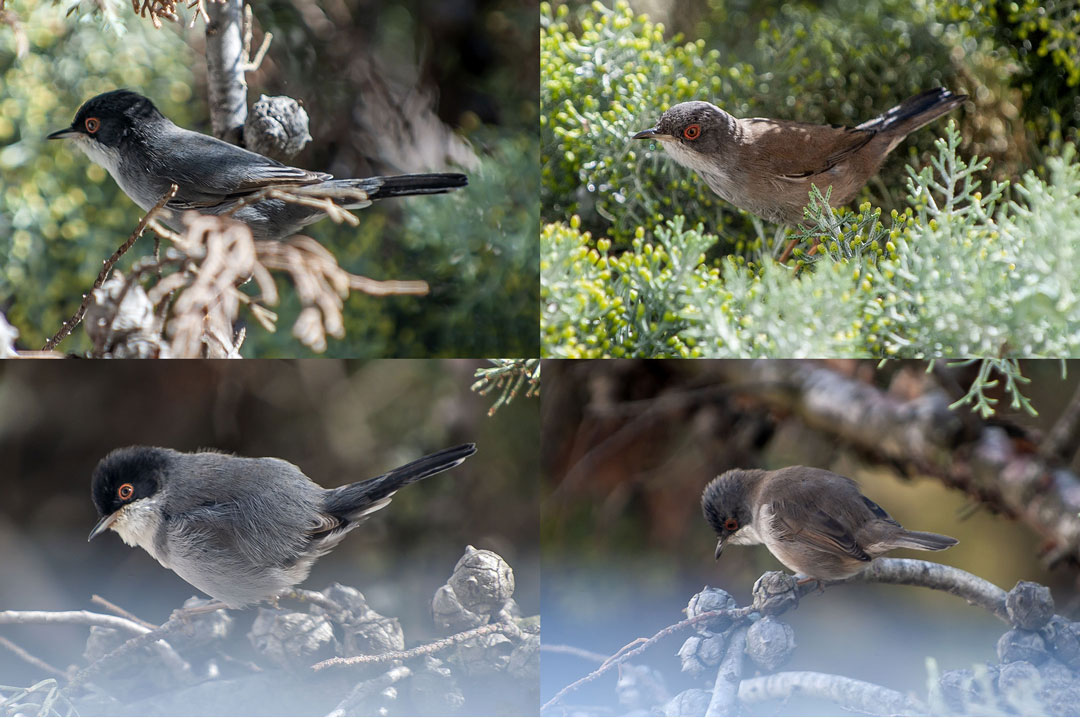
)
(110, 606)
(425, 650)
(145, 638)
(87, 618)
(915, 572)
(623, 654)
(70, 324)
(30, 658)
(725, 694)
(73, 618)
(574, 651)
(251, 64)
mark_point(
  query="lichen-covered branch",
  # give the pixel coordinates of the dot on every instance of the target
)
(725, 695)
(914, 572)
(776, 592)
(849, 693)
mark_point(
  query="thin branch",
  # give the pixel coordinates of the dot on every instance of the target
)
(72, 618)
(623, 655)
(70, 324)
(425, 650)
(388, 287)
(574, 651)
(30, 658)
(110, 606)
(156, 637)
(851, 694)
(88, 618)
(251, 64)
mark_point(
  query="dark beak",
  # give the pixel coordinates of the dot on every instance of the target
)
(719, 549)
(651, 134)
(62, 134)
(106, 521)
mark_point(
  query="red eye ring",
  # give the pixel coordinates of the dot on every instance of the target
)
(731, 525)
(692, 132)
(125, 492)
(92, 124)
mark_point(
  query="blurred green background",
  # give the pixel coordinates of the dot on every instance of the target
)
(60, 216)
(628, 448)
(338, 421)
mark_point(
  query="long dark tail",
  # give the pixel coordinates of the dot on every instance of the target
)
(924, 541)
(355, 500)
(405, 185)
(914, 112)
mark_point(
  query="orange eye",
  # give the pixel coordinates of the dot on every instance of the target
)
(692, 132)
(125, 492)
(731, 524)
(92, 124)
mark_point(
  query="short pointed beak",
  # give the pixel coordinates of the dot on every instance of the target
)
(62, 134)
(102, 525)
(719, 549)
(651, 134)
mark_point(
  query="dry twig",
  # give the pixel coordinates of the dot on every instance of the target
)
(30, 658)
(639, 646)
(425, 650)
(119, 611)
(70, 324)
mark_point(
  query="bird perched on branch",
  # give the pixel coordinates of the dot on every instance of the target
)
(813, 521)
(241, 530)
(146, 153)
(766, 167)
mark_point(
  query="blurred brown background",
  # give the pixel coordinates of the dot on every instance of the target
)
(629, 446)
(338, 421)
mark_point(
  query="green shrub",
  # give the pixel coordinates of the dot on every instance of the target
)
(957, 274)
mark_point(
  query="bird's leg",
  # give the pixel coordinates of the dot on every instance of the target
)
(187, 613)
(778, 238)
(786, 255)
(810, 579)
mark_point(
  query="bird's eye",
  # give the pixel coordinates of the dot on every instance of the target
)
(731, 525)
(125, 492)
(692, 132)
(92, 125)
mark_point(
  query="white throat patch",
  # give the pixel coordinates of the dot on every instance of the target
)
(138, 523)
(109, 158)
